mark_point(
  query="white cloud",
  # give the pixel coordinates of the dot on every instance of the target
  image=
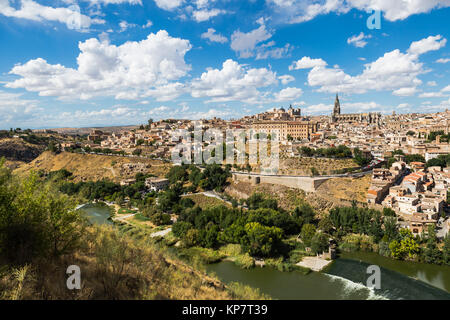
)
(286, 79)
(405, 92)
(245, 43)
(128, 71)
(359, 40)
(394, 71)
(446, 89)
(125, 25)
(297, 11)
(432, 43)
(148, 24)
(442, 60)
(106, 2)
(288, 94)
(16, 109)
(431, 95)
(233, 82)
(307, 63)
(168, 5)
(431, 83)
(212, 36)
(31, 10)
(206, 14)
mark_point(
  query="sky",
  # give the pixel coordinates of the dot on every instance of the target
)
(84, 63)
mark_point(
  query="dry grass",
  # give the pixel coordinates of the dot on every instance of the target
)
(346, 188)
(302, 166)
(115, 266)
(92, 167)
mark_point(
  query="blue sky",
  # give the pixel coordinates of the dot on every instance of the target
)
(81, 63)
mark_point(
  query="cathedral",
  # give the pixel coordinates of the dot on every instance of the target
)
(337, 117)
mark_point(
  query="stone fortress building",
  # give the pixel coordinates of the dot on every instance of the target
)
(337, 117)
(288, 124)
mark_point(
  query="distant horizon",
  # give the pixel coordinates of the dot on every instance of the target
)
(161, 119)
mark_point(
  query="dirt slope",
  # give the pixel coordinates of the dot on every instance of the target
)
(95, 167)
(19, 150)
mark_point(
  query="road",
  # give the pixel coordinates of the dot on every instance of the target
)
(161, 233)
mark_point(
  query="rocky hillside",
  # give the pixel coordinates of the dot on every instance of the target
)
(19, 150)
(87, 167)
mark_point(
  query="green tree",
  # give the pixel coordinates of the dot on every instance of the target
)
(319, 243)
(307, 233)
(35, 220)
(261, 240)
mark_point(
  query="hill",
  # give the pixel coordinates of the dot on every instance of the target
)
(89, 167)
(15, 149)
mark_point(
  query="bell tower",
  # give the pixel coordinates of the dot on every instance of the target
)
(337, 106)
(336, 110)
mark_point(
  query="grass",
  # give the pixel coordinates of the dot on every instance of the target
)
(205, 202)
(118, 264)
(126, 211)
(205, 255)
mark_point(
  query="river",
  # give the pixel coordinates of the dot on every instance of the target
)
(96, 213)
(344, 279)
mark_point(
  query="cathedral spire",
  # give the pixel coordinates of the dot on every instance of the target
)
(337, 106)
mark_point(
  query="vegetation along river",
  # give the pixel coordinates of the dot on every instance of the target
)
(344, 279)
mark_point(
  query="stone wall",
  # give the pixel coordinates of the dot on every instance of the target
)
(307, 184)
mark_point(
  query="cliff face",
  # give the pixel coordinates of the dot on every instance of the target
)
(19, 150)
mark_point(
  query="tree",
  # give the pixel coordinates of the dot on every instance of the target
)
(319, 243)
(35, 220)
(432, 254)
(160, 219)
(325, 225)
(446, 250)
(388, 212)
(177, 174)
(261, 240)
(307, 233)
(314, 172)
(360, 158)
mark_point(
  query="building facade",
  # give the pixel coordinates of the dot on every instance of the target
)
(285, 129)
(336, 116)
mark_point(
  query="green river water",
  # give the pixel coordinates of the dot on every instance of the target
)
(344, 279)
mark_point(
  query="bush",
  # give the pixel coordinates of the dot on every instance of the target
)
(245, 261)
(35, 221)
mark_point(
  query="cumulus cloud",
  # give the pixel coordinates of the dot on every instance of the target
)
(288, 94)
(233, 82)
(128, 71)
(16, 109)
(252, 44)
(31, 10)
(285, 79)
(394, 71)
(168, 5)
(106, 2)
(297, 11)
(206, 14)
(212, 36)
(307, 63)
(359, 41)
(245, 43)
(432, 43)
(443, 60)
